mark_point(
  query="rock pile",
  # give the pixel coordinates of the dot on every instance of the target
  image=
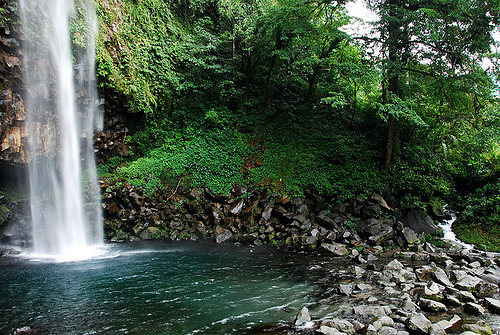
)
(390, 294)
(303, 223)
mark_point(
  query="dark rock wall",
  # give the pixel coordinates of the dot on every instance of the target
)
(13, 128)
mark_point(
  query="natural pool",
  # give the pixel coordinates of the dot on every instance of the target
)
(154, 288)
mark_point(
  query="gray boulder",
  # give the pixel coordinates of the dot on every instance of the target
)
(420, 222)
(468, 283)
(493, 305)
(303, 318)
(432, 306)
(418, 324)
(473, 308)
(336, 249)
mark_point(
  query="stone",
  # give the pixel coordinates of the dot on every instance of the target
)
(432, 306)
(336, 249)
(418, 324)
(465, 296)
(357, 271)
(26, 330)
(410, 236)
(329, 331)
(222, 235)
(409, 306)
(437, 329)
(381, 202)
(441, 277)
(473, 308)
(491, 278)
(339, 324)
(493, 305)
(386, 330)
(394, 265)
(433, 291)
(345, 289)
(303, 318)
(373, 311)
(420, 222)
(364, 287)
(468, 283)
(478, 328)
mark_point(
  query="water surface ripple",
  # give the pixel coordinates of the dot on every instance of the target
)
(153, 288)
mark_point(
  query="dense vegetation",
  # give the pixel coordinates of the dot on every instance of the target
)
(277, 94)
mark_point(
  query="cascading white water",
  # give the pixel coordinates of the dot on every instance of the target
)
(61, 103)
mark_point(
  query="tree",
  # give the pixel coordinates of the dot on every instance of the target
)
(431, 38)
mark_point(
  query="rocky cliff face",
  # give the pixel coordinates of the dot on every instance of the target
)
(13, 127)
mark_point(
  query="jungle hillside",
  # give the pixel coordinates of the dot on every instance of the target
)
(282, 95)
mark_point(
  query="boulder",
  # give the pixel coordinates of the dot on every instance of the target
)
(432, 306)
(410, 236)
(337, 249)
(371, 311)
(468, 283)
(478, 328)
(473, 308)
(394, 265)
(329, 331)
(340, 325)
(420, 222)
(303, 318)
(437, 329)
(222, 234)
(493, 305)
(441, 277)
(418, 324)
(386, 330)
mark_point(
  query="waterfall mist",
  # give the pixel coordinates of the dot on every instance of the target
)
(61, 103)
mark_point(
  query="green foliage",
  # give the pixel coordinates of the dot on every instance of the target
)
(274, 93)
(483, 206)
(213, 159)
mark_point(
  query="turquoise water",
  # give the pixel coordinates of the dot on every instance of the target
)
(153, 288)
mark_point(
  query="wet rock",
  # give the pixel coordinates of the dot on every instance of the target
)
(493, 305)
(329, 331)
(26, 330)
(441, 277)
(474, 309)
(468, 283)
(478, 328)
(418, 324)
(339, 324)
(420, 222)
(222, 234)
(303, 318)
(432, 306)
(337, 249)
(437, 329)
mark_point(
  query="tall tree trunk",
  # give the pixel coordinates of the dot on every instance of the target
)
(395, 46)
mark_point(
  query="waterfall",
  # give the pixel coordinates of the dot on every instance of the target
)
(62, 113)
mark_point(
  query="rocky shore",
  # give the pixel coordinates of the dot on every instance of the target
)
(389, 293)
(392, 281)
